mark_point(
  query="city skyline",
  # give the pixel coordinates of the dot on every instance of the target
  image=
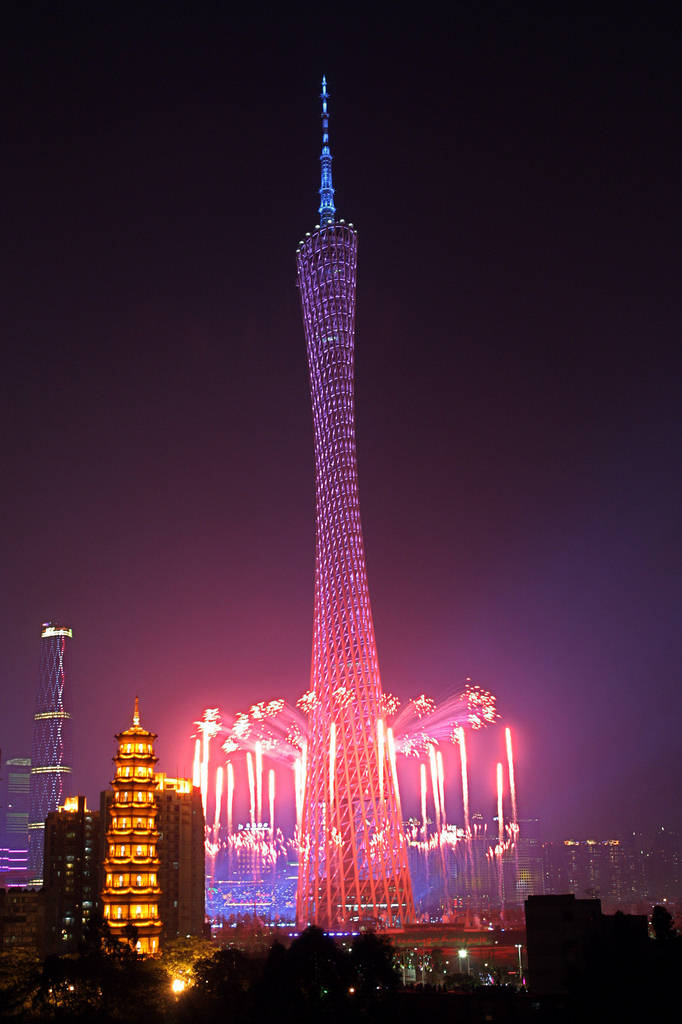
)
(517, 329)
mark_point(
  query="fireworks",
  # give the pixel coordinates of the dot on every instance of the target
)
(306, 702)
(512, 783)
(274, 733)
(389, 705)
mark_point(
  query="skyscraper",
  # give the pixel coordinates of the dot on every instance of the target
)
(71, 873)
(14, 796)
(353, 860)
(51, 758)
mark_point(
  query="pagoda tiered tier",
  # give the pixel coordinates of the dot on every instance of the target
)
(131, 866)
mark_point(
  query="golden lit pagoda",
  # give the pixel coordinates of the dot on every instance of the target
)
(131, 893)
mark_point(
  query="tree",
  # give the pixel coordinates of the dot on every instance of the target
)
(373, 965)
(662, 924)
(317, 971)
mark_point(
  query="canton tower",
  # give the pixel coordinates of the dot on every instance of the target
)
(51, 756)
(353, 855)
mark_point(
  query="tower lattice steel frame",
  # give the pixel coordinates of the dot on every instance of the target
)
(51, 755)
(353, 854)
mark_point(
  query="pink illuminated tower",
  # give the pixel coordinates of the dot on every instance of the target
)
(353, 855)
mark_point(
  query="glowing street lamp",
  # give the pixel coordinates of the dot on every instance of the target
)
(464, 954)
(519, 948)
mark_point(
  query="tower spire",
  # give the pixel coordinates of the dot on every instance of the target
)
(327, 208)
(136, 712)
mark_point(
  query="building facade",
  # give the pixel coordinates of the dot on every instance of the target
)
(71, 874)
(22, 920)
(15, 780)
(182, 871)
(353, 861)
(51, 755)
(132, 892)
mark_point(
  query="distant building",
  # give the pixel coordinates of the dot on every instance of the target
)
(15, 777)
(527, 868)
(72, 846)
(595, 868)
(22, 920)
(131, 893)
(51, 756)
(182, 854)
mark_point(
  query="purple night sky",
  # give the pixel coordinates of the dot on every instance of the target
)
(515, 183)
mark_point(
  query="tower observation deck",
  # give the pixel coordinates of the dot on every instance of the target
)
(353, 855)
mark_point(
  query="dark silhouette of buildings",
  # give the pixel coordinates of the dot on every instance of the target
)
(570, 943)
(22, 920)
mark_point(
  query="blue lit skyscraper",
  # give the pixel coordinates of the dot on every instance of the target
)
(14, 795)
(51, 759)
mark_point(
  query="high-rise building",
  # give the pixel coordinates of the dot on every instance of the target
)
(15, 780)
(526, 869)
(181, 851)
(51, 757)
(353, 859)
(131, 865)
(71, 874)
(182, 872)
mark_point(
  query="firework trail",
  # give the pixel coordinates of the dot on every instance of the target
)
(394, 770)
(422, 777)
(434, 784)
(230, 795)
(218, 799)
(271, 794)
(258, 750)
(196, 769)
(252, 787)
(441, 785)
(465, 779)
(512, 783)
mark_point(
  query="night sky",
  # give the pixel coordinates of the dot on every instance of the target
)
(514, 178)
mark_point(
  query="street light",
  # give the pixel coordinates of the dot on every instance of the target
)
(519, 948)
(464, 954)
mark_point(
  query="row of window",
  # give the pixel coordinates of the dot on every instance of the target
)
(139, 881)
(125, 823)
(137, 748)
(134, 912)
(124, 850)
(137, 796)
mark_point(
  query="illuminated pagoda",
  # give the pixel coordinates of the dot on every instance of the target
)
(131, 892)
(353, 854)
(51, 755)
